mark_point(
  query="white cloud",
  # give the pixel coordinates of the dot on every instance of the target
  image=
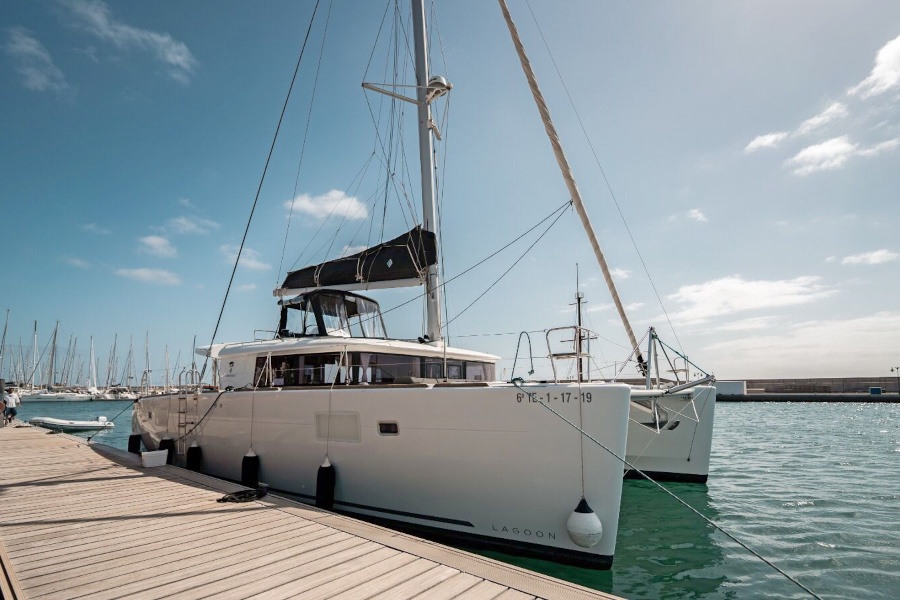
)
(33, 62)
(600, 307)
(189, 225)
(76, 262)
(335, 202)
(871, 258)
(831, 259)
(753, 323)
(821, 157)
(696, 215)
(877, 149)
(633, 306)
(94, 228)
(156, 245)
(94, 17)
(769, 140)
(155, 276)
(835, 111)
(620, 273)
(885, 74)
(734, 294)
(250, 259)
(829, 348)
(834, 154)
(247, 287)
(186, 202)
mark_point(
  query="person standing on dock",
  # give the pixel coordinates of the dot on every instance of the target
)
(12, 402)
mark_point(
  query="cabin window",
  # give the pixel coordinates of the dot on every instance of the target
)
(391, 368)
(364, 368)
(287, 370)
(432, 368)
(454, 370)
(321, 369)
(476, 371)
(262, 376)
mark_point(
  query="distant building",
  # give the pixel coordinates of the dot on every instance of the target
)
(826, 385)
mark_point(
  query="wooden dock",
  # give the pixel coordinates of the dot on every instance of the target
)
(88, 521)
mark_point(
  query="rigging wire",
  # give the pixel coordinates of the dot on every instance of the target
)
(312, 100)
(487, 258)
(496, 281)
(709, 521)
(237, 258)
(603, 173)
(357, 181)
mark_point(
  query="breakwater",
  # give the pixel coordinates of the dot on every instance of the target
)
(810, 397)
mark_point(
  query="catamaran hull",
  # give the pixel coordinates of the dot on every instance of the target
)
(680, 450)
(482, 466)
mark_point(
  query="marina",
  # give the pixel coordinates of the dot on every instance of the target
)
(791, 478)
(294, 223)
(88, 521)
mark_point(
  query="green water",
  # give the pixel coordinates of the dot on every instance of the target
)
(815, 488)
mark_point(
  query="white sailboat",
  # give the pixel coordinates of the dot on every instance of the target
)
(413, 434)
(49, 393)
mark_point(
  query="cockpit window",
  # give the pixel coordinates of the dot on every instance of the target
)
(334, 315)
(338, 314)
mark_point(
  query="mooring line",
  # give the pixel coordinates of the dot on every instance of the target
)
(518, 380)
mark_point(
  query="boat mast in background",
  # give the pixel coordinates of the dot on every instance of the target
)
(3, 344)
(34, 358)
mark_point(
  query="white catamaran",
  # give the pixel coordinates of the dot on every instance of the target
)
(413, 434)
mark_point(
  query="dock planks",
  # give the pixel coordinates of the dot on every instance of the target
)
(88, 521)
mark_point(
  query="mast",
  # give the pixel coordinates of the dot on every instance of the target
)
(146, 362)
(92, 373)
(3, 343)
(111, 364)
(426, 159)
(34, 357)
(569, 178)
(168, 385)
(51, 366)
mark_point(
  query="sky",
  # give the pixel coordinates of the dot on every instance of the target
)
(740, 163)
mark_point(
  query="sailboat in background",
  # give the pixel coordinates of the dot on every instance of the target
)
(50, 393)
(413, 434)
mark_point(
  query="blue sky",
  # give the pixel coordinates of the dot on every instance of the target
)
(752, 148)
